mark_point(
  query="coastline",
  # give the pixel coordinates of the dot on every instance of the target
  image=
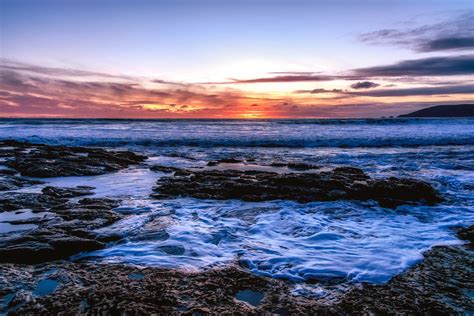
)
(48, 283)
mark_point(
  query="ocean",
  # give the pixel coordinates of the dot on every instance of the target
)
(352, 241)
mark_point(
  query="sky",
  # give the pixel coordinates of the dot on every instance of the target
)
(233, 58)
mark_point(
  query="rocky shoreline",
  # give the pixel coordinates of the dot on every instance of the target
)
(442, 283)
(37, 278)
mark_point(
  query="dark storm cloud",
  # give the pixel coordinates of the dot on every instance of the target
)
(364, 85)
(433, 66)
(453, 34)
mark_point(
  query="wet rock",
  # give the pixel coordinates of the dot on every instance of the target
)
(46, 248)
(98, 203)
(467, 233)
(9, 182)
(38, 202)
(340, 183)
(7, 172)
(225, 160)
(43, 161)
(70, 229)
(442, 284)
(296, 166)
(67, 192)
(166, 169)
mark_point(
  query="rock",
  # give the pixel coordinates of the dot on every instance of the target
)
(47, 249)
(439, 285)
(9, 182)
(43, 161)
(67, 192)
(224, 160)
(467, 233)
(340, 183)
(35, 201)
(70, 230)
(166, 169)
(296, 166)
(8, 172)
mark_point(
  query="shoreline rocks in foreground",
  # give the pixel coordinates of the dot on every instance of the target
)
(60, 224)
(34, 279)
(61, 227)
(343, 183)
(440, 284)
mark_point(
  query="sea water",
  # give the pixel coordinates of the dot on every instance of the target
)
(350, 241)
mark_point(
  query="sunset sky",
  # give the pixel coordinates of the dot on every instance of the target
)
(233, 59)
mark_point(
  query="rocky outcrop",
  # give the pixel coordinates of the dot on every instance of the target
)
(165, 169)
(67, 229)
(11, 182)
(43, 161)
(340, 183)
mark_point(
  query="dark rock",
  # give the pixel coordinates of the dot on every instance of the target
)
(37, 160)
(467, 233)
(98, 203)
(69, 231)
(47, 249)
(35, 201)
(225, 160)
(8, 182)
(296, 166)
(67, 192)
(340, 183)
(158, 168)
(8, 172)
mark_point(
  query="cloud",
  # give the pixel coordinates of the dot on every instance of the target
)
(285, 78)
(166, 82)
(449, 43)
(453, 34)
(459, 89)
(428, 90)
(410, 69)
(306, 73)
(318, 91)
(364, 85)
(7, 64)
(433, 66)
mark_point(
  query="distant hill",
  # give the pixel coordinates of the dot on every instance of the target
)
(455, 110)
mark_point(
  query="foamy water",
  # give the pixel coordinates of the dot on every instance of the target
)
(354, 241)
